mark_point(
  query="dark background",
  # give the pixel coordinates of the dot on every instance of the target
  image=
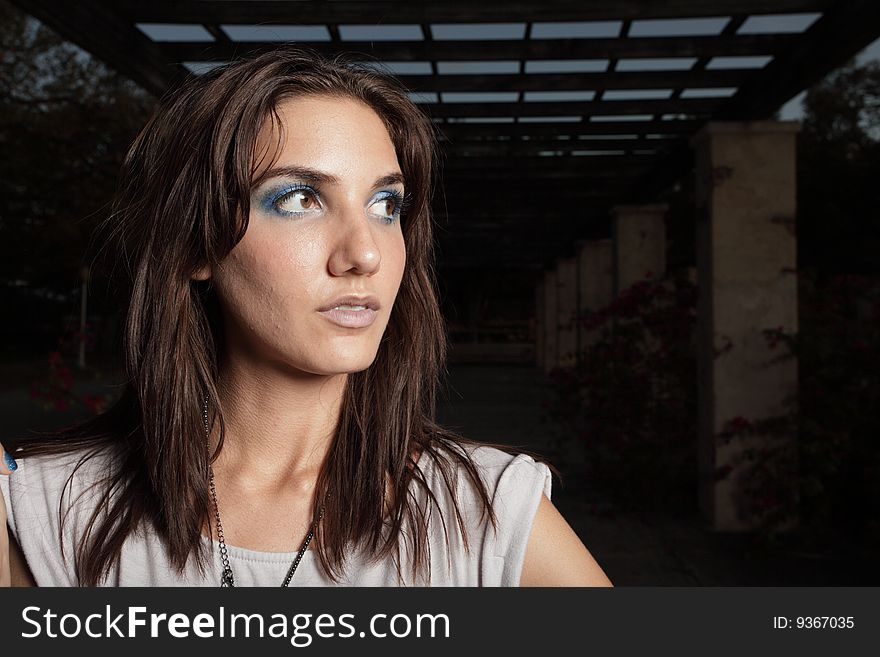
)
(66, 120)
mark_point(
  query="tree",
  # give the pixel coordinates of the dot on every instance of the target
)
(65, 123)
(838, 170)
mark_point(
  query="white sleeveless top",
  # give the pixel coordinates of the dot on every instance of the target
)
(515, 484)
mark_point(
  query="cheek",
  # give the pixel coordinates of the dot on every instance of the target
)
(263, 280)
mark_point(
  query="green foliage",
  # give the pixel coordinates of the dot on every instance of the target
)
(632, 399)
(836, 463)
(844, 109)
(57, 391)
(65, 123)
(838, 169)
(632, 396)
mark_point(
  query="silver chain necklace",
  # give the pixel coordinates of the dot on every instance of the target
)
(226, 577)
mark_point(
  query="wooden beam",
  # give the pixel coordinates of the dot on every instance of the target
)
(458, 131)
(521, 175)
(103, 33)
(450, 261)
(689, 106)
(460, 197)
(515, 177)
(492, 251)
(463, 218)
(466, 221)
(524, 264)
(533, 147)
(517, 241)
(832, 40)
(437, 11)
(582, 182)
(518, 49)
(579, 81)
(482, 226)
(508, 199)
(581, 164)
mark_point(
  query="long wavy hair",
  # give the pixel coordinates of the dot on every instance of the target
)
(182, 203)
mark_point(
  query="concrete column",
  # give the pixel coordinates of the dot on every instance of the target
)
(745, 198)
(639, 243)
(595, 282)
(540, 324)
(566, 307)
(551, 321)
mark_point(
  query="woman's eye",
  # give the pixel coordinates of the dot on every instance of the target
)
(387, 205)
(297, 201)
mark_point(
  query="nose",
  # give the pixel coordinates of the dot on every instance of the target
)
(355, 247)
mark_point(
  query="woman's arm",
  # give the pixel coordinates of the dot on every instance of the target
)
(20, 574)
(555, 556)
(13, 568)
(5, 576)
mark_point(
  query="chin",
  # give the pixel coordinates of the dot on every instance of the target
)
(347, 363)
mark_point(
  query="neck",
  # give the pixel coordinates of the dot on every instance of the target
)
(279, 425)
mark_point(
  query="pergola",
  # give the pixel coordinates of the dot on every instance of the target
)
(564, 126)
(560, 109)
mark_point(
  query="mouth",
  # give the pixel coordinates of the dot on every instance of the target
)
(350, 316)
(352, 310)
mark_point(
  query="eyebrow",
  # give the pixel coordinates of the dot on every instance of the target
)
(319, 177)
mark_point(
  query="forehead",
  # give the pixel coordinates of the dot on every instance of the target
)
(338, 135)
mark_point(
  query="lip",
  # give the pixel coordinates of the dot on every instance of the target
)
(351, 318)
(371, 302)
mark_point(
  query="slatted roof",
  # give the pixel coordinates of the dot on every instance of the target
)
(550, 112)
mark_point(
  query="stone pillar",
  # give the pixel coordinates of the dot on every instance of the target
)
(595, 282)
(746, 251)
(566, 307)
(551, 321)
(639, 243)
(540, 324)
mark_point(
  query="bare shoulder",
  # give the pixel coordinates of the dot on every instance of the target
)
(555, 556)
(49, 500)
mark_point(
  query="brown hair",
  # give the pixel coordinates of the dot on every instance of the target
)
(183, 203)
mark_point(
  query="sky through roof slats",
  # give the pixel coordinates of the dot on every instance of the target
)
(531, 85)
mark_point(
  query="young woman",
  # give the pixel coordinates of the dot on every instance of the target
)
(283, 348)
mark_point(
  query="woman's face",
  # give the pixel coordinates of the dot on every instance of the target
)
(324, 224)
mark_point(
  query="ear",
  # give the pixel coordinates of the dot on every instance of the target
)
(202, 274)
